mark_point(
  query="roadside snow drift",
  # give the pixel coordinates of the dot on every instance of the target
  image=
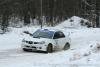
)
(73, 22)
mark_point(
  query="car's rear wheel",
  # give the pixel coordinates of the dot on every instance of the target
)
(50, 48)
(67, 46)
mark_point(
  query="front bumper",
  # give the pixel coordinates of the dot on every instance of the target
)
(34, 47)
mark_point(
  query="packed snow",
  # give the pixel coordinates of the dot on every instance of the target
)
(84, 51)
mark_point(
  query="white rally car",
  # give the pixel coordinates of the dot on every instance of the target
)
(46, 40)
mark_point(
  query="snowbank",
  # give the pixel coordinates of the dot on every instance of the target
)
(73, 22)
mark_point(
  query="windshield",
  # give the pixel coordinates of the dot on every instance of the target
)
(43, 34)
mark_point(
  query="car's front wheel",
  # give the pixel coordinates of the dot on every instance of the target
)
(50, 48)
(67, 46)
(25, 49)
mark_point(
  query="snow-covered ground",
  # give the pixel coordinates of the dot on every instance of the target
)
(84, 52)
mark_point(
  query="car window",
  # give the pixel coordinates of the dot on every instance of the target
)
(58, 34)
(43, 34)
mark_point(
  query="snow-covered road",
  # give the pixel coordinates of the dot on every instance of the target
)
(18, 58)
(13, 56)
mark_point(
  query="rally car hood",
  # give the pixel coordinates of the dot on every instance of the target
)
(30, 38)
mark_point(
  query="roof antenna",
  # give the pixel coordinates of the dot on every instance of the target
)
(41, 14)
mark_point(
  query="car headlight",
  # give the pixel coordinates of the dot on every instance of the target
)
(42, 42)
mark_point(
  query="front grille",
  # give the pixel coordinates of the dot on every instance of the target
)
(27, 46)
(29, 42)
(35, 42)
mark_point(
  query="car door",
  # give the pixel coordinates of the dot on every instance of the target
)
(60, 39)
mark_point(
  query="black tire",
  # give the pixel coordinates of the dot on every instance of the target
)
(25, 49)
(49, 48)
(67, 46)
